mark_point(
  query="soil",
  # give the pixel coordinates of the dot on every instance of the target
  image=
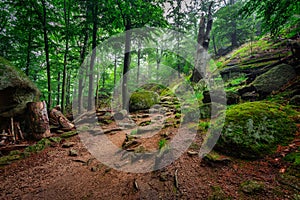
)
(54, 174)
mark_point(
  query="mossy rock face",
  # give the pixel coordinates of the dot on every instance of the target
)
(254, 129)
(16, 90)
(142, 100)
(274, 79)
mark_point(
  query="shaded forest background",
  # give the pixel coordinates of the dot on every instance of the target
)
(49, 40)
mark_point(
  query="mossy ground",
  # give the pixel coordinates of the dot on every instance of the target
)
(254, 129)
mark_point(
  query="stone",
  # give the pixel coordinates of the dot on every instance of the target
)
(274, 79)
(142, 100)
(68, 144)
(295, 100)
(16, 90)
(73, 152)
(232, 98)
(251, 187)
(253, 130)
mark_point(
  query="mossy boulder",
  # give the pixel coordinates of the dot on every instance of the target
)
(142, 100)
(16, 90)
(274, 79)
(254, 129)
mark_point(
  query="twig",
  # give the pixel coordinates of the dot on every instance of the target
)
(176, 178)
(12, 128)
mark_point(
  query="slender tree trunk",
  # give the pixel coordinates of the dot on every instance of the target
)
(67, 22)
(83, 70)
(45, 32)
(214, 44)
(68, 89)
(158, 59)
(58, 89)
(138, 64)
(126, 64)
(203, 43)
(28, 52)
(91, 96)
(115, 69)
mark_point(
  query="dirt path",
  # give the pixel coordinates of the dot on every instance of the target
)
(53, 174)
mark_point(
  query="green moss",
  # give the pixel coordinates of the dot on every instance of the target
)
(252, 187)
(254, 129)
(293, 158)
(68, 134)
(55, 139)
(142, 100)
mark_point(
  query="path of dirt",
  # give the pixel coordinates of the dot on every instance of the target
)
(53, 174)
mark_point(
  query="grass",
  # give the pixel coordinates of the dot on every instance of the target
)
(162, 143)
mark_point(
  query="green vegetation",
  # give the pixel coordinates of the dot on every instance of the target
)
(134, 132)
(142, 100)
(254, 129)
(162, 143)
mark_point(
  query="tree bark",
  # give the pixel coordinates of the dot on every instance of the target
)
(45, 32)
(67, 22)
(203, 40)
(126, 64)
(38, 119)
(91, 96)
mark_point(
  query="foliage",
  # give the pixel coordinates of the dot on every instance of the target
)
(162, 143)
(275, 14)
(293, 158)
(231, 29)
(254, 129)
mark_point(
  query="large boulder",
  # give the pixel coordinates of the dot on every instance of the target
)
(274, 79)
(16, 90)
(142, 100)
(254, 129)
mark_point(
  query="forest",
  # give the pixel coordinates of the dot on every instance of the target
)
(150, 99)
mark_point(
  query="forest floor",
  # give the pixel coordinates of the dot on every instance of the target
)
(54, 174)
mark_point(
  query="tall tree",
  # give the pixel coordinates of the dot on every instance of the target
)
(203, 40)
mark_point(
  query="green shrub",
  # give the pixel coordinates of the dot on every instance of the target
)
(254, 129)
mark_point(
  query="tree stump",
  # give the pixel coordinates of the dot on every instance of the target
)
(59, 120)
(38, 119)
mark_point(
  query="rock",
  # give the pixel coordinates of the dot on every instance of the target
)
(274, 79)
(16, 90)
(232, 98)
(68, 144)
(250, 96)
(251, 187)
(120, 115)
(192, 153)
(131, 145)
(142, 100)
(254, 129)
(295, 100)
(144, 129)
(214, 158)
(73, 152)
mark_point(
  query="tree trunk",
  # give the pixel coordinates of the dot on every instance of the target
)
(115, 69)
(126, 64)
(67, 22)
(203, 43)
(214, 44)
(38, 119)
(91, 95)
(58, 89)
(47, 52)
(28, 52)
(139, 64)
(158, 60)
